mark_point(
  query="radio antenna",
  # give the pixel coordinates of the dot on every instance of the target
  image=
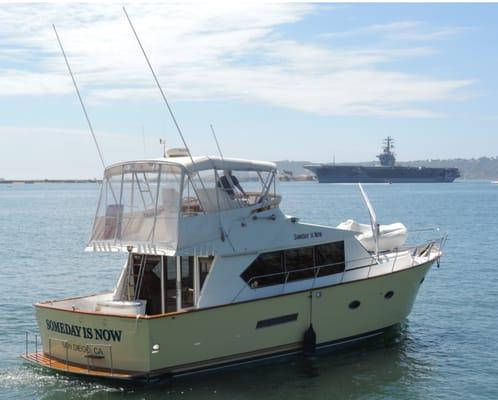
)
(79, 97)
(224, 234)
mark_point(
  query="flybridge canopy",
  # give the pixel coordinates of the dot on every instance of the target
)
(202, 163)
(168, 204)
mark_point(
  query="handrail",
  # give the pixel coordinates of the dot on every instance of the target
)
(430, 244)
(27, 346)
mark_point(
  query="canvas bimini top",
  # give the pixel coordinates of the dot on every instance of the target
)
(200, 163)
(172, 204)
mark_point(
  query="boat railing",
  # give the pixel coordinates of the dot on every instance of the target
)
(41, 358)
(27, 346)
(426, 249)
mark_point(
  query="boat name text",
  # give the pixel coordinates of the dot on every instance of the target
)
(298, 236)
(84, 332)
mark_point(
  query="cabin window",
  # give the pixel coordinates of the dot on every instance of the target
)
(299, 263)
(278, 267)
(329, 257)
(266, 270)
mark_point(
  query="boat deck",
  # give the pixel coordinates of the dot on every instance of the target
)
(44, 360)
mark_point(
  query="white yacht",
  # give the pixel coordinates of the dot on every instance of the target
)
(216, 275)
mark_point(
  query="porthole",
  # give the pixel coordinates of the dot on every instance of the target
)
(389, 294)
(354, 304)
(421, 280)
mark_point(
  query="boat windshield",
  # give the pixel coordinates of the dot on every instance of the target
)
(220, 190)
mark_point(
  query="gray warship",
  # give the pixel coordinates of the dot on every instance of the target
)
(387, 172)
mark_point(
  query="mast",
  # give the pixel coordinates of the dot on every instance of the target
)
(387, 157)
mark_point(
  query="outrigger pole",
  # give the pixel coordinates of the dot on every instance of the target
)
(164, 98)
(217, 144)
(81, 99)
(83, 107)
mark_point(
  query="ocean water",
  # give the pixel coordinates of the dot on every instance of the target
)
(446, 349)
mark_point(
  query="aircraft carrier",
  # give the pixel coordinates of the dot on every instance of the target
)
(387, 172)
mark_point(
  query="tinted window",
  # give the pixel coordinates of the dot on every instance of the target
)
(330, 257)
(298, 259)
(266, 264)
(295, 264)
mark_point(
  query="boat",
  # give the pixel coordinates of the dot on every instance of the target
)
(387, 172)
(215, 275)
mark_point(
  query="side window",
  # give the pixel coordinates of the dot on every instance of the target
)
(266, 270)
(299, 263)
(330, 258)
(295, 264)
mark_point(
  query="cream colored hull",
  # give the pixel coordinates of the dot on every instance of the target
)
(208, 338)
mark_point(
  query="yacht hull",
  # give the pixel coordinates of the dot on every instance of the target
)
(129, 347)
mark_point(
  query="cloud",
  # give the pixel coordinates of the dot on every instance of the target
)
(215, 52)
(399, 31)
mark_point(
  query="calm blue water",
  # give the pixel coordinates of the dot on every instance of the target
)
(447, 349)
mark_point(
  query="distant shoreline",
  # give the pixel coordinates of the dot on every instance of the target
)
(33, 181)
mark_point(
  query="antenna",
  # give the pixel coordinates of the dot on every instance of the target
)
(163, 142)
(223, 233)
(79, 96)
(163, 95)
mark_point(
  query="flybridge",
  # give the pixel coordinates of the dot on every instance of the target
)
(169, 204)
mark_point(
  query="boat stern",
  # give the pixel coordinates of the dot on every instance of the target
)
(91, 343)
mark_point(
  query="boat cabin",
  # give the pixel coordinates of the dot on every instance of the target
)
(173, 215)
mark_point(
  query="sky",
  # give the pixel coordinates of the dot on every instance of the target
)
(298, 81)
